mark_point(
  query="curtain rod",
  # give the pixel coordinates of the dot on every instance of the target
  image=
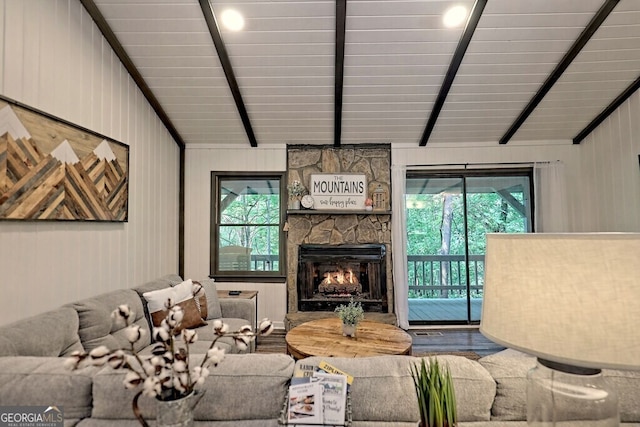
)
(465, 165)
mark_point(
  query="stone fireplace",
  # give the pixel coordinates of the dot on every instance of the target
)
(324, 244)
(332, 275)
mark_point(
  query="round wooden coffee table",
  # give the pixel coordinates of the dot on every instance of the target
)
(323, 337)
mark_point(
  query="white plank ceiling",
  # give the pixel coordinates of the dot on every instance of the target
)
(397, 53)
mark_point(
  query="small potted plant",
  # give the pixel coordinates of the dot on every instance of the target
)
(435, 393)
(351, 314)
(296, 191)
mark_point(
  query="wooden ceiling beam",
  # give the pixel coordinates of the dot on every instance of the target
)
(214, 30)
(458, 56)
(568, 58)
(115, 44)
(341, 25)
(607, 111)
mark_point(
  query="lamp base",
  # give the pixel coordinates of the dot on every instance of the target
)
(561, 395)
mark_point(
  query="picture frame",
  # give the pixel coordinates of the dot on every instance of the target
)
(54, 170)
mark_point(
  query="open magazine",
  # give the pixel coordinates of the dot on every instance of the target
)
(305, 404)
(318, 395)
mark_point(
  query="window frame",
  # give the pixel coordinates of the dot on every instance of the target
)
(464, 175)
(215, 223)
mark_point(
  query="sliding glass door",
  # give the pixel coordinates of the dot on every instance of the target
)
(448, 215)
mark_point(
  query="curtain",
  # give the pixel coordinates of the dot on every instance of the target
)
(399, 252)
(551, 213)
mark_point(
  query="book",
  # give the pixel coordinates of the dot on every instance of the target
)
(305, 404)
(334, 397)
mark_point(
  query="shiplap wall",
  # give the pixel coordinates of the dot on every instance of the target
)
(200, 162)
(55, 59)
(609, 189)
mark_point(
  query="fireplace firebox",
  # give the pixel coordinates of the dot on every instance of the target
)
(330, 275)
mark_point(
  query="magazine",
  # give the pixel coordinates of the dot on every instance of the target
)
(305, 404)
(303, 373)
(334, 397)
(330, 369)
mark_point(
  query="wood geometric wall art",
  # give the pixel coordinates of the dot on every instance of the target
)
(51, 169)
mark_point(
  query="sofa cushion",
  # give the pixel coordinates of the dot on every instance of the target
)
(98, 328)
(474, 387)
(509, 369)
(45, 381)
(53, 333)
(387, 381)
(241, 387)
(206, 336)
(160, 283)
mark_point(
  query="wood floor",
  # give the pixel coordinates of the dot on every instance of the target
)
(424, 341)
(452, 340)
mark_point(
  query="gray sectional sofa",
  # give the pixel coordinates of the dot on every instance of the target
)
(248, 389)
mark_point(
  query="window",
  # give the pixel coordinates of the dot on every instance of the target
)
(247, 217)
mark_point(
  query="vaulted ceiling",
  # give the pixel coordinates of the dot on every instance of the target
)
(368, 71)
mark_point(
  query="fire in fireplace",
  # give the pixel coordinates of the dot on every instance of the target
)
(340, 282)
(329, 275)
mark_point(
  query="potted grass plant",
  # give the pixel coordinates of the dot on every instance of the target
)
(435, 394)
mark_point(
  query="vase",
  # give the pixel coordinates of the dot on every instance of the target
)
(294, 204)
(176, 413)
(349, 330)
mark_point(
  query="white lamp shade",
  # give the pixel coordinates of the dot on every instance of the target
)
(569, 298)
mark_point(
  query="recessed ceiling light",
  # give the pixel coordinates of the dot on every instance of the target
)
(232, 20)
(455, 16)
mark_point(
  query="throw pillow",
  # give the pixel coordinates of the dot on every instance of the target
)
(193, 289)
(157, 299)
(183, 290)
(190, 319)
(182, 295)
(214, 311)
(200, 297)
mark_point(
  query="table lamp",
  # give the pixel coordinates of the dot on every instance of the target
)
(573, 301)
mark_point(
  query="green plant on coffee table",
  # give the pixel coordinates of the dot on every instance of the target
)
(435, 394)
(350, 314)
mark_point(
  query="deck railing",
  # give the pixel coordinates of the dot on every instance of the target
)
(264, 262)
(429, 276)
(445, 276)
